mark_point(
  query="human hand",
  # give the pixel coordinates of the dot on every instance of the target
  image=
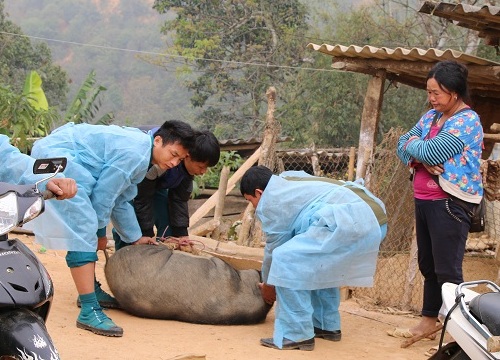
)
(145, 240)
(102, 243)
(63, 188)
(268, 293)
(434, 169)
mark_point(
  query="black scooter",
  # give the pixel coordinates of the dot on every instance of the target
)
(26, 289)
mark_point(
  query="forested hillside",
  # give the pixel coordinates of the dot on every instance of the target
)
(113, 38)
(118, 39)
(210, 62)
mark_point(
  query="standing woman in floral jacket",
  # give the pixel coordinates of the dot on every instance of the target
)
(443, 151)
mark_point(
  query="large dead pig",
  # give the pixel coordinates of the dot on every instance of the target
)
(156, 282)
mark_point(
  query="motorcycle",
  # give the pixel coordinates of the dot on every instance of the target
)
(26, 289)
(472, 319)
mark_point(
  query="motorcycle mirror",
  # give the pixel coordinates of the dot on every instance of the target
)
(49, 166)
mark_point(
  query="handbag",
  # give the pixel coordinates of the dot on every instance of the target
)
(477, 214)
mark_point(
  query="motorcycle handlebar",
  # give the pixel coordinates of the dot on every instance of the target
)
(47, 194)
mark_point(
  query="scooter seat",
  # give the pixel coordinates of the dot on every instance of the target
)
(486, 309)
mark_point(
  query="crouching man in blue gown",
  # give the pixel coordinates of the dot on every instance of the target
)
(320, 234)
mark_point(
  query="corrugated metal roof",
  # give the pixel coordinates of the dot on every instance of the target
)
(415, 54)
(411, 66)
(484, 19)
(250, 141)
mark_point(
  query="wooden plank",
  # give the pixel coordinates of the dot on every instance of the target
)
(240, 257)
(237, 262)
(210, 203)
(205, 228)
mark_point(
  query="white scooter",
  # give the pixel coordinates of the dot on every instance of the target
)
(473, 320)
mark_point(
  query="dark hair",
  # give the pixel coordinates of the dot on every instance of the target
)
(205, 148)
(175, 131)
(451, 76)
(257, 177)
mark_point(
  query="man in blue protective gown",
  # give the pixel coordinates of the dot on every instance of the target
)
(320, 234)
(162, 201)
(107, 163)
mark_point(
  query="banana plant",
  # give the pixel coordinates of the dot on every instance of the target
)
(25, 116)
(86, 104)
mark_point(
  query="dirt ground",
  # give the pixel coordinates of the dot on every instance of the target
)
(363, 332)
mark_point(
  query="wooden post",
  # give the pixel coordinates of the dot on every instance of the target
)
(246, 225)
(315, 162)
(352, 158)
(370, 117)
(271, 131)
(219, 207)
(364, 165)
(268, 159)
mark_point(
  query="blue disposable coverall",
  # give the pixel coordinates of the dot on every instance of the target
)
(17, 168)
(319, 236)
(107, 163)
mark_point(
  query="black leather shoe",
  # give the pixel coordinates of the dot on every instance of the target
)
(334, 335)
(307, 345)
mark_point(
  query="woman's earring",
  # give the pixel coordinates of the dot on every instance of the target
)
(455, 98)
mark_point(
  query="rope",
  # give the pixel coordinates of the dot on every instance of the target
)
(183, 244)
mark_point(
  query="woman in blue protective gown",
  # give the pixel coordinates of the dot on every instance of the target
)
(107, 163)
(320, 234)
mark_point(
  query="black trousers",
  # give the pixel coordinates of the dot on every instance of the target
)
(442, 227)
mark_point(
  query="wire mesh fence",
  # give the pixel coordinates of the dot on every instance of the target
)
(398, 282)
(333, 163)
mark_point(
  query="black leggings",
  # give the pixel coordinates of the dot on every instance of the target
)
(442, 227)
